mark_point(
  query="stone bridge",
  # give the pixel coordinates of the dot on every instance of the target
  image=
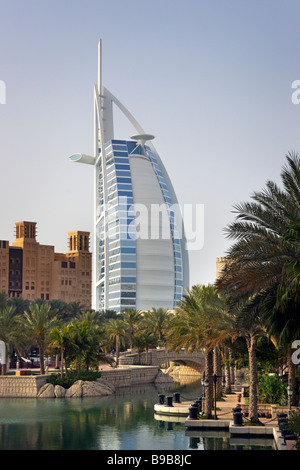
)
(190, 363)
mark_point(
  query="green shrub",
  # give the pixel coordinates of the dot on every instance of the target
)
(69, 379)
(272, 389)
(294, 426)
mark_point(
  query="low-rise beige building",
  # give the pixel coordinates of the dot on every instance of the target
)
(31, 270)
(220, 265)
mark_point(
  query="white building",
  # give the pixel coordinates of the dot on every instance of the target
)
(140, 257)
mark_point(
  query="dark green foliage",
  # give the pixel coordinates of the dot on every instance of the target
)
(72, 377)
(294, 426)
(272, 389)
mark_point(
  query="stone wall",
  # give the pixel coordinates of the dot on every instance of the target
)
(21, 387)
(12, 386)
(126, 376)
(194, 371)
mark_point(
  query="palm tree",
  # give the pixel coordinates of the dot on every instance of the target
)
(38, 321)
(144, 341)
(132, 319)
(195, 328)
(8, 321)
(251, 327)
(91, 317)
(258, 255)
(20, 305)
(262, 252)
(116, 333)
(288, 291)
(82, 348)
(3, 300)
(155, 321)
(61, 339)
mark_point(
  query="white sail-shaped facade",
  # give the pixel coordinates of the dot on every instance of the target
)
(140, 256)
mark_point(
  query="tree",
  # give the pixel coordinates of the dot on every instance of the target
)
(116, 333)
(195, 327)
(19, 304)
(132, 319)
(38, 321)
(61, 339)
(257, 257)
(3, 300)
(8, 323)
(155, 321)
(144, 341)
(263, 253)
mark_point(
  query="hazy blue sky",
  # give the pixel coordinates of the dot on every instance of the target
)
(210, 79)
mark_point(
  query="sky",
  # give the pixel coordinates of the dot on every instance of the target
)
(210, 79)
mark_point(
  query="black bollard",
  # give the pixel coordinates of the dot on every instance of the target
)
(282, 423)
(169, 401)
(237, 416)
(176, 396)
(161, 399)
(193, 412)
(281, 415)
(199, 404)
(290, 437)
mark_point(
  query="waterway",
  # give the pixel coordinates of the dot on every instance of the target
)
(125, 421)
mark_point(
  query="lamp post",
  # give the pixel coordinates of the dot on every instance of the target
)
(216, 377)
(205, 384)
(202, 383)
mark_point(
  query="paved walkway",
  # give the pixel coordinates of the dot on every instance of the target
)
(225, 406)
(224, 411)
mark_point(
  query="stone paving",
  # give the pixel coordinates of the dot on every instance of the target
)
(224, 414)
(230, 401)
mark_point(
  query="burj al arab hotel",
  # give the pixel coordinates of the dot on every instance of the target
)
(140, 259)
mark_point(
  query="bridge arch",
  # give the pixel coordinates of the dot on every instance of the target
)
(190, 363)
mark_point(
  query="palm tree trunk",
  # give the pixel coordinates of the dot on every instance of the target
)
(62, 363)
(291, 376)
(66, 366)
(227, 370)
(232, 369)
(42, 361)
(209, 377)
(117, 349)
(253, 409)
(5, 367)
(218, 372)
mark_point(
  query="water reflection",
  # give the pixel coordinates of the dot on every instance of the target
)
(124, 421)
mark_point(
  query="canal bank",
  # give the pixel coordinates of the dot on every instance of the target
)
(28, 386)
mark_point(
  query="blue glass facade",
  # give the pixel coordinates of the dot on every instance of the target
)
(116, 277)
(119, 283)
